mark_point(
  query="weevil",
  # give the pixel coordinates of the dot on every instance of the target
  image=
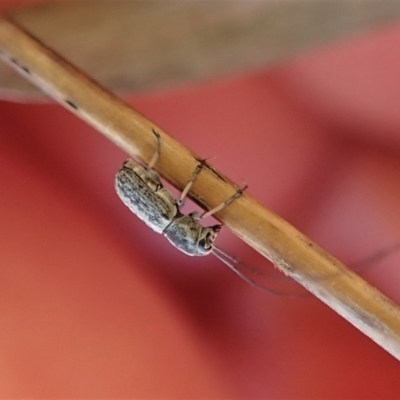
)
(141, 190)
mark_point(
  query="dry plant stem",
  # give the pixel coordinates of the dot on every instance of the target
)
(293, 253)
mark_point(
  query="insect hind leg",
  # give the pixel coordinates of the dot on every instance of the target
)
(156, 154)
(146, 172)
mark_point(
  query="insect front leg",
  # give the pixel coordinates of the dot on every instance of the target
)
(237, 194)
(206, 214)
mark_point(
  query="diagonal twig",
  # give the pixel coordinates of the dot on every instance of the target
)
(292, 252)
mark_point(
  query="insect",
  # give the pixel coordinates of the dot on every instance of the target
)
(141, 190)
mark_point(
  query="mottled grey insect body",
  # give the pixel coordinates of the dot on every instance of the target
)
(141, 190)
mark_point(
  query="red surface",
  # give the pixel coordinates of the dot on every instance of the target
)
(94, 304)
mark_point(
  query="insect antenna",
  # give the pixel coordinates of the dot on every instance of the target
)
(239, 266)
(256, 277)
(376, 257)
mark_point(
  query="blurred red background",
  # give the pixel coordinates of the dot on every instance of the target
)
(94, 304)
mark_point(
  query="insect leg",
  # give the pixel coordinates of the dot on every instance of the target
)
(190, 183)
(156, 154)
(237, 194)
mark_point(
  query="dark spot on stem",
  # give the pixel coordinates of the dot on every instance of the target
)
(15, 61)
(71, 104)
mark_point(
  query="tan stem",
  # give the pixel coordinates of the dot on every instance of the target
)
(292, 252)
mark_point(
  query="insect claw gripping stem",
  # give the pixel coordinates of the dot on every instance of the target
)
(156, 154)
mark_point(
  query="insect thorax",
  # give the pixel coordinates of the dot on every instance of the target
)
(189, 236)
